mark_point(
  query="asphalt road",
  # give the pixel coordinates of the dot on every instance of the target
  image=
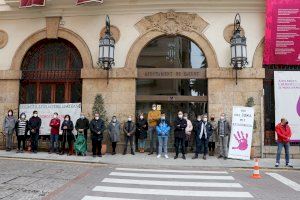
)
(24, 179)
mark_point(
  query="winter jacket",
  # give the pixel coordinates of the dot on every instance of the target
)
(34, 125)
(213, 137)
(22, 127)
(82, 124)
(284, 133)
(198, 128)
(226, 127)
(179, 127)
(97, 127)
(129, 128)
(163, 128)
(54, 124)
(114, 130)
(70, 126)
(189, 128)
(9, 124)
(141, 129)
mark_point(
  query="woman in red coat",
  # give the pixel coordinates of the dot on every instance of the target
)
(54, 124)
(284, 134)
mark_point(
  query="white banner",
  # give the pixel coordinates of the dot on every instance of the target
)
(241, 133)
(287, 100)
(45, 112)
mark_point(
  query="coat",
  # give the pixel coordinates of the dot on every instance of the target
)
(141, 129)
(54, 124)
(9, 124)
(284, 133)
(82, 124)
(188, 129)
(97, 128)
(179, 128)
(227, 127)
(34, 124)
(114, 130)
(131, 127)
(198, 128)
(163, 128)
(18, 129)
(69, 130)
(213, 137)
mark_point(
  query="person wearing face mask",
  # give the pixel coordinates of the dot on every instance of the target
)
(141, 132)
(163, 130)
(21, 132)
(9, 124)
(180, 125)
(284, 135)
(129, 130)
(34, 125)
(67, 135)
(114, 131)
(203, 130)
(223, 133)
(54, 132)
(82, 125)
(97, 128)
(213, 138)
(188, 131)
(153, 117)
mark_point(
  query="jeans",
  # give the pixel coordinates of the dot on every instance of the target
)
(179, 143)
(9, 139)
(162, 144)
(142, 143)
(34, 141)
(224, 146)
(130, 140)
(53, 142)
(287, 152)
(151, 132)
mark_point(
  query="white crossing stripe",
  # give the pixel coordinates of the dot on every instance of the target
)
(205, 177)
(285, 181)
(104, 198)
(172, 183)
(171, 171)
(189, 193)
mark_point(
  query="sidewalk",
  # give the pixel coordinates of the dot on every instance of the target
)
(145, 160)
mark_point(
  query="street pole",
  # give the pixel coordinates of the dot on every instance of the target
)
(262, 122)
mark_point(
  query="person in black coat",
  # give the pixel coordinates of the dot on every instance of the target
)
(97, 127)
(34, 125)
(67, 135)
(203, 131)
(179, 132)
(141, 132)
(82, 125)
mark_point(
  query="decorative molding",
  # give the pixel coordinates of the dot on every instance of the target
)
(258, 54)
(228, 32)
(52, 25)
(114, 31)
(172, 23)
(3, 39)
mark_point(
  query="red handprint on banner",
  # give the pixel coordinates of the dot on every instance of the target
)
(242, 140)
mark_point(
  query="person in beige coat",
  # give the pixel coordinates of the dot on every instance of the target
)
(188, 131)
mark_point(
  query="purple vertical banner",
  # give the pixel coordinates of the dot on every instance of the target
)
(282, 33)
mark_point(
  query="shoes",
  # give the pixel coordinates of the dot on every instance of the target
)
(61, 153)
(288, 165)
(150, 153)
(34, 151)
(132, 153)
(195, 157)
(220, 156)
(21, 151)
(183, 157)
(225, 158)
(166, 156)
(277, 165)
(113, 153)
(100, 156)
(176, 157)
(204, 157)
(18, 151)
(158, 156)
(94, 156)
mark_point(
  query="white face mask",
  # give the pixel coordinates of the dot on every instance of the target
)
(129, 119)
(10, 113)
(55, 116)
(67, 119)
(153, 108)
(96, 118)
(198, 119)
(82, 116)
(35, 115)
(205, 119)
(185, 118)
(180, 116)
(222, 117)
(114, 120)
(141, 117)
(23, 117)
(163, 118)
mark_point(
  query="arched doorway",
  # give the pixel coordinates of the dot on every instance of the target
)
(172, 74)
(51, 73)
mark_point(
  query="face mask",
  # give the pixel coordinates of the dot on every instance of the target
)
(114, 120)
(82, 116)
(22, 116)
(35, 115)
(55, 116)
(163, 118)
(198, 119)
(129, 119)
(67, 119)
(205, 119)
(153, 108)
(212, 119)
(222, 117)
(96, 118)
(180, 116)
(10, 113)
(185, 118)
(141, 117)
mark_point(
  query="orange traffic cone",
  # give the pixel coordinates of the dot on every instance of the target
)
(256, 174)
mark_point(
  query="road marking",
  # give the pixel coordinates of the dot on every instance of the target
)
(170, 171)
(172, 183)
(161, 192)
(206, 177)
(104, 198)
(285, 181)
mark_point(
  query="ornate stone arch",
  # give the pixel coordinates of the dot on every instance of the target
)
(258, 55)
(171, 23)
(63, 33)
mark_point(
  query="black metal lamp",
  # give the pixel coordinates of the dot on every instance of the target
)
(238, 46)
(106, 49)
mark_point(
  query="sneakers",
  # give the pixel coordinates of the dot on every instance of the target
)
(183, 157)
(176, 157)
(288, 165)
(204, 157)
(166, 156)
(195, 157)
(277, 165)
(158, 156)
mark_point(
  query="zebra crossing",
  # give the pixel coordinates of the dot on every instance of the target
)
(142, 184)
